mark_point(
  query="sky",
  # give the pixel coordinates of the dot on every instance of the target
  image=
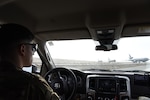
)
(85, 50)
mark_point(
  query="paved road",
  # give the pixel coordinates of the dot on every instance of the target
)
(111, 66)
(141, 67)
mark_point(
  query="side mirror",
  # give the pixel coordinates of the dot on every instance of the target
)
(34, 69)
(31, 69)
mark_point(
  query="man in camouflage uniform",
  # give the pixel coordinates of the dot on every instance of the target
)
(16, 52)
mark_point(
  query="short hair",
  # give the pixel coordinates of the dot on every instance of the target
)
(12, 33)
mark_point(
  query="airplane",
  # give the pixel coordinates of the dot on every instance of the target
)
(137, 60)
(111, 60)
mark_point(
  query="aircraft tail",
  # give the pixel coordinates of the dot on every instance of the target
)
(130, 57)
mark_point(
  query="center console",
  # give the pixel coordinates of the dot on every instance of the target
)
(103, 87)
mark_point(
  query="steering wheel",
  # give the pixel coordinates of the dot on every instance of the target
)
(63, 81)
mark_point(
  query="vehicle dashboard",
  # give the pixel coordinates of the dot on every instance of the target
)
(99, 85)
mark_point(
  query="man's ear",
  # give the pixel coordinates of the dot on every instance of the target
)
(22, 50)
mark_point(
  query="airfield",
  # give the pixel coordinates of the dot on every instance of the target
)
(77, 64)
(103, 65)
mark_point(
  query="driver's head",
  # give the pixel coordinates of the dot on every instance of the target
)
(16, 43)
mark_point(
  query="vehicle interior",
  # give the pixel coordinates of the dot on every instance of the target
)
(88, 26)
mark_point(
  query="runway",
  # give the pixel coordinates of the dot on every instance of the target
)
(110, 66)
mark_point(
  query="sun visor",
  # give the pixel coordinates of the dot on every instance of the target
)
(136, 30)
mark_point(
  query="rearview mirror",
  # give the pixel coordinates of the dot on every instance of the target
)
(107, 47)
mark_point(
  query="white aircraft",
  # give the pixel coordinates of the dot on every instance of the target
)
(109, 60)
(137, 60)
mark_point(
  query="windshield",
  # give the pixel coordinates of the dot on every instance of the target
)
(132, 54)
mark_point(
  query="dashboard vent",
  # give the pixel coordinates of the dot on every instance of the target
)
(92, 84)
(123, 85)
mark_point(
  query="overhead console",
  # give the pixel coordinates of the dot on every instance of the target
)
(106, 39)
(105, 28)
(103, 87)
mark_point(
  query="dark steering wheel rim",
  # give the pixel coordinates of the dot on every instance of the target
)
(62, 89)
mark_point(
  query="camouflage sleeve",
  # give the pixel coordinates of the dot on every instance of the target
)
(46, 89)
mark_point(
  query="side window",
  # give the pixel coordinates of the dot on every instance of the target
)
(36, 65)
